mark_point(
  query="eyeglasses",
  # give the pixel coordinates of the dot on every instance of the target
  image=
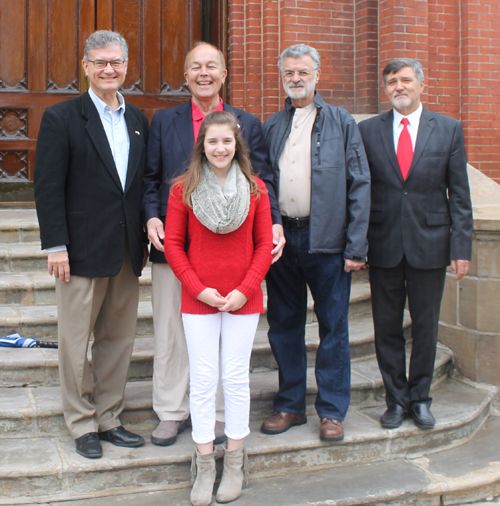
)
(102, 64)
(288, 74)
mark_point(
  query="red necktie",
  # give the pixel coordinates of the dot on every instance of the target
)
(405, 149)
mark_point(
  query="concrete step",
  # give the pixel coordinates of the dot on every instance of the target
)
(32, 288)
(366, 462)
(34, 412)
(39, 366)
(40, 321)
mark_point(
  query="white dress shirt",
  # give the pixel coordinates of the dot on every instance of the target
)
(414, 122)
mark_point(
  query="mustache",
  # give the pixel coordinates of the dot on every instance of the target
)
(298, 85)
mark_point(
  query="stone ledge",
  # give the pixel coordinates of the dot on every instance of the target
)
(485, 195)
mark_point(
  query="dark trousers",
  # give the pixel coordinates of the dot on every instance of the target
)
(330, 286)
(424, 289)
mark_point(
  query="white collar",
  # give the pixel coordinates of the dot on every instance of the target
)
(413, 118)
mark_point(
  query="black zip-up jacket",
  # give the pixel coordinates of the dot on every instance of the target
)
(340, 180)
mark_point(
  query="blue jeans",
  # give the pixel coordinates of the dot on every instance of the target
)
(330, 286)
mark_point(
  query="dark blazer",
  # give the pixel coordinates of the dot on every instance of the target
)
(170, 144)
(428, 217)
(79, 197)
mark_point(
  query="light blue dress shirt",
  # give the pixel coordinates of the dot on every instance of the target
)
(115, 126)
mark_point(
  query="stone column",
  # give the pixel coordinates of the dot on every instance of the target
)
(470, 313)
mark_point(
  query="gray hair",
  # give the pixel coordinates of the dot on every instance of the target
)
(397, 64)
(105, 38)
(298, 51)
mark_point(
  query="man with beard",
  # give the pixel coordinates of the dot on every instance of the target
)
(421, 218)
(323, 183)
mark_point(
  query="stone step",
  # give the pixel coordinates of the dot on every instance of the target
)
(368, 460)
(22, 256)
(39, 366)
(38, 288)
(34, 412)
(467, 475)
(18, 225)
(40, 321)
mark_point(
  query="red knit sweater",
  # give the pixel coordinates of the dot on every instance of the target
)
(238, 260)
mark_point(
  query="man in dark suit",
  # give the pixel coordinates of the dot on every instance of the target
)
(420, 220)
(90, 160)
(172, 136)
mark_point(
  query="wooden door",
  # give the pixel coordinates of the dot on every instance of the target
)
(41, 48)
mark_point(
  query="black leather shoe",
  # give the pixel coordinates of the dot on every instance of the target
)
(121, 437)
(393, 417)
(422, 416)
(89, 446)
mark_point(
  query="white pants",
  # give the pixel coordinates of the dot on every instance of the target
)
(171, 363)
(236, 333)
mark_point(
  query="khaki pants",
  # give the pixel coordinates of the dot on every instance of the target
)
(171, 361)
(93, 401)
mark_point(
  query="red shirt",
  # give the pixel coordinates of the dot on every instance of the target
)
(198, 116)
(238, 260)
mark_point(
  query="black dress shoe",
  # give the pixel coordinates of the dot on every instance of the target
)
(121, 437)
(393, 417)
(422, 416)
(89, 446)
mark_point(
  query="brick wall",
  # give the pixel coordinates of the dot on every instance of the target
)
(443, 72)
(261, 29)
(480, 79)
(366, 75)
(457, 41)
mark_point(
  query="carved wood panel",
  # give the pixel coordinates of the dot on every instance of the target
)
(14, 123)
(13, 57)
(14, 165)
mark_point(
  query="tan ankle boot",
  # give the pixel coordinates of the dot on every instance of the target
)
(203, 468)
(235, 471)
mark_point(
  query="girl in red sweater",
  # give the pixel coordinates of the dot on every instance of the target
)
(218, 242)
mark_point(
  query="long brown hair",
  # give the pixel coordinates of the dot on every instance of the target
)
(191, 178)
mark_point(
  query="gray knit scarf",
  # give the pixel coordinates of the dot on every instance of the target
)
(222, 210)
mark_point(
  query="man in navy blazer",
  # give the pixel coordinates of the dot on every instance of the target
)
(90, 158)
(170, 144)
(420, 221)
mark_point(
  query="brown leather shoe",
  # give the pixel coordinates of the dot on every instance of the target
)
(281, 422)
(331, 430)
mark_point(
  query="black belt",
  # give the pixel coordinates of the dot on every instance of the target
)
(295, 222)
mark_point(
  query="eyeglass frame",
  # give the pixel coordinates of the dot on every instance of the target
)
(289, 74)
(110, 62)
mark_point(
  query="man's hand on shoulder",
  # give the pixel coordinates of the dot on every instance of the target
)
(460, 268)
(58, 263)
(353, 265)
(156, 232)
(278, 241)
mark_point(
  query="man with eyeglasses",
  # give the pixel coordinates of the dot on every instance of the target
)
(173, 133)
(90, 159)
(323, 183)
